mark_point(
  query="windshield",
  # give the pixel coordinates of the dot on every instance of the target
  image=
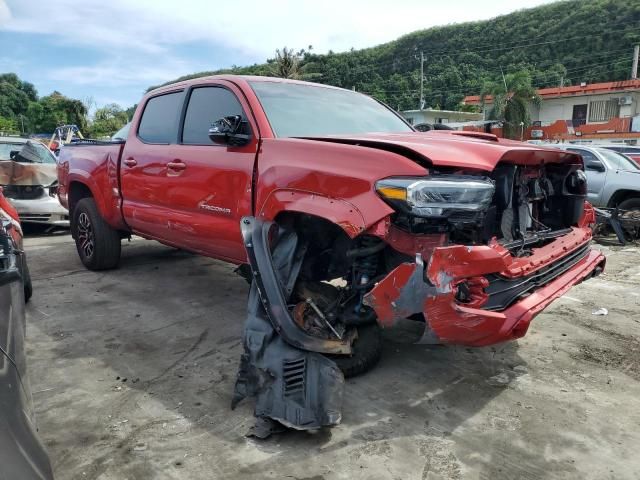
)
(625, 149)
(29, 152)
(617, 160)
(296, 110)
(123, 133)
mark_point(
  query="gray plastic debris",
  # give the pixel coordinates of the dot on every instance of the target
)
(600, 311)
(296, 388)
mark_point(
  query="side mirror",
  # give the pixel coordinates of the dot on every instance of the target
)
(230, 131)
(595, 166)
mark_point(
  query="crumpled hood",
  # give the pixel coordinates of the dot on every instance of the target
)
(457, 149)
(23, 173)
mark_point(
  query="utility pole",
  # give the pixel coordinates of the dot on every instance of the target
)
(421, 80)
(634, 67)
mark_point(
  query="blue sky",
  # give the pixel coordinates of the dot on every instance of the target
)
(110, 51)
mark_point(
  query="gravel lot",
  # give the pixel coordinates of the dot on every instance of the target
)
(132, 372)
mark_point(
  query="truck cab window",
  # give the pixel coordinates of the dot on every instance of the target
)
(591, 162)
(159, 122)
(206, 105)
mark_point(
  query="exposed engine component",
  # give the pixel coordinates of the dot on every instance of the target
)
(365, 266)
(526, 202)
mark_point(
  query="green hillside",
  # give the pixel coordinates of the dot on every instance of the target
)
(567, 41)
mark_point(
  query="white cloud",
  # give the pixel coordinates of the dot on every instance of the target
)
(139, 43)
(121, 72)
(255, 27)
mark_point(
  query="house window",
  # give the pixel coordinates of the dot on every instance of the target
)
(603, 110)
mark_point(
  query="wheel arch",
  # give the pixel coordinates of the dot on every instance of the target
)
(621, 195)
(77, 191)
(342, 213)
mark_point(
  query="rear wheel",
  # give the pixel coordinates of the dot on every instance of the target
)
(97, 243)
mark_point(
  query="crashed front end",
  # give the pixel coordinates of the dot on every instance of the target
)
(484, 254)
(30, 185)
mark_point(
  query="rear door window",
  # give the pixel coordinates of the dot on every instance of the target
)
(159, 122)
(206, 105)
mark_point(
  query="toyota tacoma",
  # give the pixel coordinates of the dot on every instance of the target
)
(344, 219)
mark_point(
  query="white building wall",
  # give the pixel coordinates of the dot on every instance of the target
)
(439, 116)
(555, 109)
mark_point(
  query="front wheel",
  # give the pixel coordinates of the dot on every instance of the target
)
(97, 243)
(367, 350)
(632, 215)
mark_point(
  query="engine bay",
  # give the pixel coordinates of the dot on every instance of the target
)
(530, 205)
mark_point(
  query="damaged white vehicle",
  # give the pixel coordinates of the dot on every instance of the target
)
(29, 181)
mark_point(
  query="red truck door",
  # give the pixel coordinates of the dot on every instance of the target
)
(143, 169)
(196, 190)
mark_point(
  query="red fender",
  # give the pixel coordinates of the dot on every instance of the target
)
(341, 212)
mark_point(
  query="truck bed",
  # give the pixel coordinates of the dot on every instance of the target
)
(98, 163)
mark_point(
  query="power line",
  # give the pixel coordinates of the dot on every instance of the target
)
(461, 90)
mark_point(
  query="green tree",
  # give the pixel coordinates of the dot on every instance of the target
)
(130, 111)
(8, 126)
(511, 97)
(55, 109)
(107, 121)
(564, 42)
(290, 64)
(15, 95)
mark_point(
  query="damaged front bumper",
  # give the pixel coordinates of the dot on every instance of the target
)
(45, 210)
(482, 295)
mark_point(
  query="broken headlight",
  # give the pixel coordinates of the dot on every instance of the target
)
(438, 196)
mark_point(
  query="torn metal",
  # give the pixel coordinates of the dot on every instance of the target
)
(293, 385)
(481, 295)
(625, 223)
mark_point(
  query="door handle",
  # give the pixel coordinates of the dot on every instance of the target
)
(177, 165)
(130, 162)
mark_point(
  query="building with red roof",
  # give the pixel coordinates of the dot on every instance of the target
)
(589, 113)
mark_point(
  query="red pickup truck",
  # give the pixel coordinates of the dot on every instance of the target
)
(370, 220)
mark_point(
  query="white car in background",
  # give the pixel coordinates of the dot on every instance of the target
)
(29, 180)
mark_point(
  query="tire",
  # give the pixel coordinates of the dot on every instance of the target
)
(367, 350)
(630, 204)
(28, 285)
(97, 243)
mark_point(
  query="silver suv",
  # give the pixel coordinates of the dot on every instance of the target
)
(613, 179)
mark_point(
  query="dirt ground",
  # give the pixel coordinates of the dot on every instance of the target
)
(132, 372)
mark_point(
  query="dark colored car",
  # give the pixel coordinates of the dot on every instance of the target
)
(22, 456)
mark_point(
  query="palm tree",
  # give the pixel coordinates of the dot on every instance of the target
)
(289, 64)
(510, 101)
